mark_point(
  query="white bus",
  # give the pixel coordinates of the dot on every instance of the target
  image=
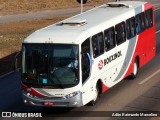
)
(72, 62)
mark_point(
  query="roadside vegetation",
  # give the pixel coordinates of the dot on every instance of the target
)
(12, 34)
(23, 6)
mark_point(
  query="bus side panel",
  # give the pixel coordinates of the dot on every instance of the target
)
(145, 49)
(146, 45)
(141, 52)
(130, 68)
(150, 43)
(150, 37)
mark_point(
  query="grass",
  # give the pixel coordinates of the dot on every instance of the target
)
(21, 6)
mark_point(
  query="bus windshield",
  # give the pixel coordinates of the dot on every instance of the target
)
(50, 65)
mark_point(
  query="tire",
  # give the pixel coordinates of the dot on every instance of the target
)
(96, 95)
(135, 70)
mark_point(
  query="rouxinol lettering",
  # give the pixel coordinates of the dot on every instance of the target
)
(112, 57)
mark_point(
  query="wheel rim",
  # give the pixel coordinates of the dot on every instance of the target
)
(135, 68)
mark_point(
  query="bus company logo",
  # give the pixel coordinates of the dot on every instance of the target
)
(112, 57)
(100, 64)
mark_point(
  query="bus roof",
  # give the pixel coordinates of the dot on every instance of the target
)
(76, 29)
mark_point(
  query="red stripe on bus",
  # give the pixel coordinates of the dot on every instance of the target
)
(32, 91)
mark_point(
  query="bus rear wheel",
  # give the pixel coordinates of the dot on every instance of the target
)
(135, 70)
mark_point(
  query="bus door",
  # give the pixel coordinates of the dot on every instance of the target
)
(86, 69)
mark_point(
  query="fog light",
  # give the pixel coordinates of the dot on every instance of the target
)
(75, 103)
(25, 101)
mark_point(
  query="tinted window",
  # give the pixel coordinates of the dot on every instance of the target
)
(50, 65)
(97, 44)
(120, 33)
(149, 18)
(140, 23)
(109, 38)
(130, 27)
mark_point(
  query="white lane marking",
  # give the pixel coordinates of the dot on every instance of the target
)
(6, 74)
(149, 78)
(157, 31)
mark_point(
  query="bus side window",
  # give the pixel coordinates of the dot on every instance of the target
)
(140, 23)
(120, 33)
(85, 59)
(143, 21)
(138, 28)
(130, 28)
(149, 18)
(97, 44)
(109, 38)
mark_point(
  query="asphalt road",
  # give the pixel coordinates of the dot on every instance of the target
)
(46, 14)
(141, 94)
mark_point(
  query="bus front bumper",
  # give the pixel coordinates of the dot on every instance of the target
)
(75, 101)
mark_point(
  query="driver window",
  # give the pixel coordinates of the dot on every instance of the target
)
(85, 59)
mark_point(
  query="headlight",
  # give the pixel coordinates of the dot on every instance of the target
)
(71, 95)
(29, 95)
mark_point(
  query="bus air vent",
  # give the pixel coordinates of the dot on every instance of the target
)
(118, 4)
(78, 22)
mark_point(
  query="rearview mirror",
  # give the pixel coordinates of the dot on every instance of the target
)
(16, 61)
